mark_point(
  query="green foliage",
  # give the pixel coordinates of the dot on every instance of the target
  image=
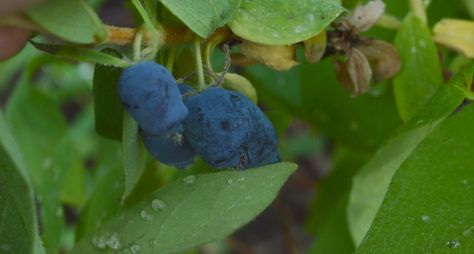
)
(190, 211)
(265, 21)
(421, 71)
(73, 20)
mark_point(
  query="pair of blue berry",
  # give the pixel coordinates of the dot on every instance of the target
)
(224, 127)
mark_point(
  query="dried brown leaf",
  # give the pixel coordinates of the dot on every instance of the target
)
(365, 16)
(360, 72)
(383, 58)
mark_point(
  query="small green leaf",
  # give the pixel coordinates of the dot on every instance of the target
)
(372, 181)
(203, 16)
(427, 206)
(72, 20)
(81, 54)
(18, 230)
(421, 70)
(191, 211)
(134, 155)
(108, 109)
(283, 22)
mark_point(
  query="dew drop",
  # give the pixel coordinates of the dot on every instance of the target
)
(158, 205)
(188, 180)
(453, 244)
(99, 242)
(113, 242)
(229, 181)
(425, 218)
(413, 50)
(135, 248)
(241, 179)
(145, 215)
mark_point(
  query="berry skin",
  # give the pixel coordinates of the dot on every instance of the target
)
(263, 144)
(151, 96)
(174, 150)
(218, 126)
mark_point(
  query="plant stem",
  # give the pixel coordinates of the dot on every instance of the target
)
(149, 24)
(389, 22)
(200, 71)
(170, 60)
(418, 8)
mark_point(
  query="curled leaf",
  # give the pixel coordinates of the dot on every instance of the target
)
(281, 57)
(239, 83)
(456, 34)
(383, 58)
(365, 16)
(314, 47)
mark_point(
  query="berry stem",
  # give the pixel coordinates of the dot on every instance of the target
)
(137, 46)
(170, 60)
(200, 71)
(149, 24)
(418, 8)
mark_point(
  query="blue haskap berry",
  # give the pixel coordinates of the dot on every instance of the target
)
(173, 150)
(263, 144)
(218, 126)
(150, 94)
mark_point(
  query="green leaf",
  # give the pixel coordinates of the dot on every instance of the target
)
(470, 7)
(283, 22)
(18, 231)
(421, 70)
(371, 183)
(427, 207)
(40, 130)
(72, 20)
(203, 16)
(81, 54)
(311, 92)
(134, 155)
(108, 109)
(190, 212)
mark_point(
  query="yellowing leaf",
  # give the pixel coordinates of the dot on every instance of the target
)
(314, 47)
(456, 34)
(280, 58)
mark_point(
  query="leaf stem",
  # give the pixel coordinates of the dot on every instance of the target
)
(149, 24)
(200, 71)
(418, 8)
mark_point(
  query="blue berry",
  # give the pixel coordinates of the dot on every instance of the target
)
(151, 96)
(218, 126)
(174, 150)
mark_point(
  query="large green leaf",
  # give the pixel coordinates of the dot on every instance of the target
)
(203, 16)
(40, 131)
(421, 70)
(190, 212)
(282, 22)
(428, 206)
(371, 183)
(18, 230)
(134, 155)
(107, 106)
(72, 20)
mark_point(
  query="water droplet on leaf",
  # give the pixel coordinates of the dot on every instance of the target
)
(425, 218)
(189, 179)
(158, 204)
(453, 244)
(145, 215)
(229, 181)
(135, 248)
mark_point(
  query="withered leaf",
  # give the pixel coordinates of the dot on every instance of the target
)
(383, 58)
(356, 74)
(314, 47)
(365, 16)
(281, 57)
